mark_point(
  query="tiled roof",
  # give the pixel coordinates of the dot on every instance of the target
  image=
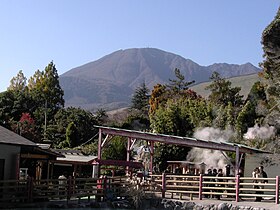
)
(9, 137)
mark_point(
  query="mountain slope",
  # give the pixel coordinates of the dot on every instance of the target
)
(110, 81)
(245, 82)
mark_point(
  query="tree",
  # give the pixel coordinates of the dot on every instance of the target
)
(116, 149)
(18, 83)
(157, 97)
(179, 84)
(45, 90)
(12, 105)
(26, 127)
(84, 122)
(257, 93)
(72, 135)
(271, 64)
(178, 117)
(246, 118)
(45, 87)
(222, 93)
(140, 98)
(101, 115)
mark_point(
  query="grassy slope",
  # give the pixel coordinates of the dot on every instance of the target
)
(245, 82)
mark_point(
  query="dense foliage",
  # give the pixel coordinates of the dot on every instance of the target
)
(36, 111)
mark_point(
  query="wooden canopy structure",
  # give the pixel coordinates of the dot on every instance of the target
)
(133, 136)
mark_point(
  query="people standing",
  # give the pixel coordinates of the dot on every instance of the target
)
(209, 173)
(262, 174)
(219, 174)
(255, 175)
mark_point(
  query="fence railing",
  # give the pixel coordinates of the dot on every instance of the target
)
(24, 191)
(165, 185)
(233, 188)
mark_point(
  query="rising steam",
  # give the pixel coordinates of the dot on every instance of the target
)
(260, 132)
(212, 158)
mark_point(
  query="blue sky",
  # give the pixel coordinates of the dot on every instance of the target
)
(75, 32)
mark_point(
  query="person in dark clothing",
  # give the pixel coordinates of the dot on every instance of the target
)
(219, 174)
(262, 174)
(209, 173)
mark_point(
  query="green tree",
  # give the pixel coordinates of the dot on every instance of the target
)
(177, 117)
(84, 122)
(179, 84)
(140, 98)
(116, 149)
(12, 105)
(271, 63)
(45, 87)
(222, 93)
(257, 93)
(72, 135)
(246, 118)
(45, 90)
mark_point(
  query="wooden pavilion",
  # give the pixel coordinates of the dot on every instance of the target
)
(106, 134)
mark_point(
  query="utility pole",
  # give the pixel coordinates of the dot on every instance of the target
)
(45, 128)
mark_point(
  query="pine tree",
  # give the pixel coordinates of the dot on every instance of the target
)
(140, 99)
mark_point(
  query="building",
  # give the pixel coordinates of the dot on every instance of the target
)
(20, 157)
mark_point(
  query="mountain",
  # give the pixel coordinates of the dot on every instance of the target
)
(110, 81)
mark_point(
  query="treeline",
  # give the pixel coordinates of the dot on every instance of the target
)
(35, 110)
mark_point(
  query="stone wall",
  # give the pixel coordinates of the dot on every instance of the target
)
(181, 205)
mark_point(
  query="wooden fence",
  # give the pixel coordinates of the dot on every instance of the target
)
(164, 185)
(24, 191)
(233, 188)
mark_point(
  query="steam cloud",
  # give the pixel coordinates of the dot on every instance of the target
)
(260, 132)
(212, 158)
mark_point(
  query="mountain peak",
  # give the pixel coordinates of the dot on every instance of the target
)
(112, 79)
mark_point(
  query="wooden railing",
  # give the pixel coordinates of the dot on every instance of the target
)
(233, 188)
(14, 191)
(163, 185)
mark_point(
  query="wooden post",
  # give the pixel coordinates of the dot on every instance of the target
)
(69, 188)
(17, 166)
(104, 187)
(30, 189)
(151, 156)
(277, 190)
(48, 169)
(128, 154)
(237, 160)
(237, 182)
(99, 144)
(200, 186)
(163, 185)
(99, 154)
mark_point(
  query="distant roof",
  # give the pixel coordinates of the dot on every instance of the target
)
(179, 140)
(9, 137)
(74, 156)
(123, 163)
